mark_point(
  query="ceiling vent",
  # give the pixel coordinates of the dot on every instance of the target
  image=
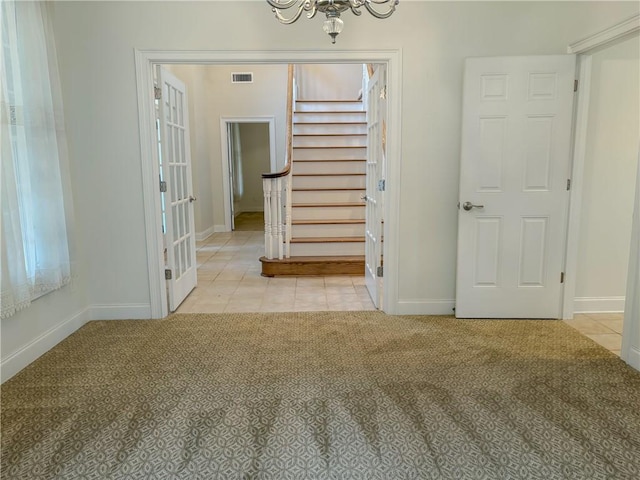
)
(242, 77)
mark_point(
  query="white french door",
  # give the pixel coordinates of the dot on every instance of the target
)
(514, 171)
(376, 131)
(177, 199)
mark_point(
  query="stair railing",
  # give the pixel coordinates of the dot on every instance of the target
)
(277, 191)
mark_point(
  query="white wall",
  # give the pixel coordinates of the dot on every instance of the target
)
(254, 140)
(329, 82)
(212, 96)
(96, 42)
(609, 178)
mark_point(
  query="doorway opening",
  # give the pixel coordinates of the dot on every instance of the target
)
(248, 150)
(145, 61)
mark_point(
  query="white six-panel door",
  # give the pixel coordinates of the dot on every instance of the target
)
(175, 170)
(376, 110)
(515, 163)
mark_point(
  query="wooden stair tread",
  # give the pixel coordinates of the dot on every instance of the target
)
(328, 222)
(338, 112)
(330, 123)
(327, 189)
(327, 239)
(332, 146)
(329, 134)
(328, 174)
(328, 205)
(329, 265)
(331, 160)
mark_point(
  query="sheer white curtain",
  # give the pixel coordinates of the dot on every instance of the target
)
(33, 241)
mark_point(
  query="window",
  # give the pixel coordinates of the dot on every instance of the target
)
(34, 242)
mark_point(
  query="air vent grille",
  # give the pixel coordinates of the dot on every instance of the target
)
(246, 77)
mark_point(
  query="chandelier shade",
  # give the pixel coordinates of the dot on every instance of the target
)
(333, 25)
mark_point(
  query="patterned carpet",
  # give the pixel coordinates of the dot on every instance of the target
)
(335, 395)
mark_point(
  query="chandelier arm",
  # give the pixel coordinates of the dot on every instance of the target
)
(302, 5)
(375, 13)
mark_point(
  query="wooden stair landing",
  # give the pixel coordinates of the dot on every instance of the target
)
(316, 266)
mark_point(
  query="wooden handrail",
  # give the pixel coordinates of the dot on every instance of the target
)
(289, 151)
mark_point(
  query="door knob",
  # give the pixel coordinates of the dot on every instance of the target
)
(192, 199)
(468, 206)
(364, 197)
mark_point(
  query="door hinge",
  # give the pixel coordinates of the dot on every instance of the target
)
(561, 277)
(382, 185)
(568, 184)
(163, 186)
(157, 93)
(379, 271)
(575, 85)
(167, 274)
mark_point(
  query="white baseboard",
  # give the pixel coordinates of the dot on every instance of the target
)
(424, 307)
(598, 304)
(39, 346)
(632, 357)
(220, 228)
(200, 236)
(133, 311)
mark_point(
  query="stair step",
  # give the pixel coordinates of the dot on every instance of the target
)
(328, 222)
(312, 265)
(326, 228)
(322, 167)
(330, 180)
(334, 211)
(326, 195)
(328, 106)
(329, 141)
(327, 247)
(351, 128)
(324, 153)
(329, 117)
(327, 239)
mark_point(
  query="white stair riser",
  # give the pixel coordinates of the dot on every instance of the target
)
(326, 249)
(329, 153)
(328, 230)
(329, 128)
(329, 117)
(327, 213)
(343, 166)
(302, 106)
(327, 196)
(330, 181)
(302, 141)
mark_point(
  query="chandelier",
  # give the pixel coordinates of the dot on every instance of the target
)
(333, 25)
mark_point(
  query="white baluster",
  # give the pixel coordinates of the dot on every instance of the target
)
(288, 216)
(279, 225)
(268, 244)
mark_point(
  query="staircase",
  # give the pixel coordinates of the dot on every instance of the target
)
(328, 183)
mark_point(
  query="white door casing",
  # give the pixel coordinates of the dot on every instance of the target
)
(175, 170)
(515, 164)
(376, 119)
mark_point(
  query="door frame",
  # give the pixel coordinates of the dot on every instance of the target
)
(224, 145)
(144, 64)
(584, 50)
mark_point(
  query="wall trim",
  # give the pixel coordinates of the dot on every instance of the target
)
(598, 304)
(200, 236)
(30, 352)
(598, 39)
(425, 307)
(131, 311)
(632, 357)
(144, 62)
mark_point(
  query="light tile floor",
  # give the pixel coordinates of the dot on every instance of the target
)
(603, 328)
(229, 280)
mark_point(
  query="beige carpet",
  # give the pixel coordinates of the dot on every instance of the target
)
(335, 395)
